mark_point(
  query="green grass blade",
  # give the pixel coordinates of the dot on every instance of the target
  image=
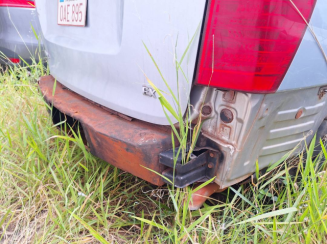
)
(94, 233)
(269, 215)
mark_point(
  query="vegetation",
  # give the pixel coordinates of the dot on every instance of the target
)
(52, 190)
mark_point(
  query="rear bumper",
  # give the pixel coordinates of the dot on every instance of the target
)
(263, 128)
(131, 145)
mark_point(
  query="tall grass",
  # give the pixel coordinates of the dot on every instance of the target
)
(269, 211)
(53, 191)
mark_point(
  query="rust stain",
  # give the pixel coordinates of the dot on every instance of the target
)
(201, 195)
(229, 96)
(206, 110)
(299, 114)
(226, 115)
(131, 145)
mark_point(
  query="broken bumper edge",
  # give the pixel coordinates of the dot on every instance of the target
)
(131, 145)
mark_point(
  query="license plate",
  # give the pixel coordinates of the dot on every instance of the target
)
(72, 12)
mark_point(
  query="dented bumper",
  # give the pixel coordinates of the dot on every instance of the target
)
(131, 145)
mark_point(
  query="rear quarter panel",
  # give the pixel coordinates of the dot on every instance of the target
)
(309, 66)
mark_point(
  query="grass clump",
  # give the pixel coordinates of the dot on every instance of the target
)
(52, 190)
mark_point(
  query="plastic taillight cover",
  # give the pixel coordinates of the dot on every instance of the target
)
(248, 45)
(14, 60)
(17, 3)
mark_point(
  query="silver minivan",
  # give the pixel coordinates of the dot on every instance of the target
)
(254, 72)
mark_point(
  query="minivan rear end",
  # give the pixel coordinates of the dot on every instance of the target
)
(251, 70)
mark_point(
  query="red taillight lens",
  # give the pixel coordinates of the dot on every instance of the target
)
(17, 3)
(248, 45)
(14, 60)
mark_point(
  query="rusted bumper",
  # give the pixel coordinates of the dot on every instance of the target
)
(132, 146)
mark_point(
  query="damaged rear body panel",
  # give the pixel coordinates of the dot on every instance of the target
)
(130, 145)
(107, 62)
(263, 127)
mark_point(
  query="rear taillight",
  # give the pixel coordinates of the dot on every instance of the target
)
(248, 45)
(17, 3)
(14, 60)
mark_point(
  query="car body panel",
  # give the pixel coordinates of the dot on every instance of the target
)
(309, 66)
(17, 37)
(265, 127)
(107, 62)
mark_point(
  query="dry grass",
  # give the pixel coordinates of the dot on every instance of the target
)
(53, 191)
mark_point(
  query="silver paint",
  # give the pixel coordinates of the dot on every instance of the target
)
(309, 67)
(16, 34)
(265, 127)
(106, 61)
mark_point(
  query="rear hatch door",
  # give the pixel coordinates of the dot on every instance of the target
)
(106, 61)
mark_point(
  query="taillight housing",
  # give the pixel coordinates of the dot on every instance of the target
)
(14, 60)
(248, 45)
(17, 3)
